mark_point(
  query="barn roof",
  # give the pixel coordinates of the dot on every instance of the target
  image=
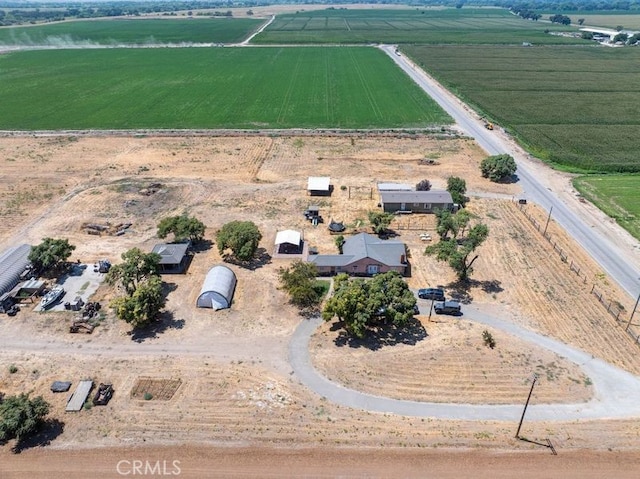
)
(431, 196)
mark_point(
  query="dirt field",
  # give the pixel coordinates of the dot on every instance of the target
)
(237, 388)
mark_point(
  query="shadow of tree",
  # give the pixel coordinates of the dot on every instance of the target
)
(48, 431)
(164, 322)
(381, 335)
(461, 290)
(202, 246)
(260, 259)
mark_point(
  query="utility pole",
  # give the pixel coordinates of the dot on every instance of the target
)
(535, 378)
(431, 308)
(548, 219)
(633, 312)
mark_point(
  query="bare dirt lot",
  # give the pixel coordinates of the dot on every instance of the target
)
(236, 386)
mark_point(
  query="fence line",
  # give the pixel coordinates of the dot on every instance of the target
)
(613, 309)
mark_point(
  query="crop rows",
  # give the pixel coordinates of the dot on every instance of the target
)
(574, 107)
(136, 32)
(464, 26)
(210, 88)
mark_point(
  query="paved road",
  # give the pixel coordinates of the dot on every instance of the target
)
(616, 392)
(601, 249)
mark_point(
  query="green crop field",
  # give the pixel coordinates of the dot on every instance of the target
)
(576, 107)
(448, 26)
(617, 195)
(312, 87)
(138, 32)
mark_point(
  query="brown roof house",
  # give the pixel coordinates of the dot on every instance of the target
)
(364, 255)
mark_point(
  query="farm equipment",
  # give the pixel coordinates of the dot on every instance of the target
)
(81, 326)
(103, 394)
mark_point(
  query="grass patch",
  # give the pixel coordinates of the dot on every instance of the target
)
(321, 286)
(563, 104)
(131, 32)
(617, 195)
(420, 25)
(244, 88)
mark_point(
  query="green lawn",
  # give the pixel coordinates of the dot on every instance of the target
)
(133, 31)
(617, 195)
(254, 88)
(576, 107)
(441, 26)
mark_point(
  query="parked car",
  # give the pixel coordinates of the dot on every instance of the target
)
(447, 307)
(431, 293)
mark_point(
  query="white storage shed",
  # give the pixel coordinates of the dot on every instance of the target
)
(217, 289)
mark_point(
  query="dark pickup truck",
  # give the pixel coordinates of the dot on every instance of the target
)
(447, 307)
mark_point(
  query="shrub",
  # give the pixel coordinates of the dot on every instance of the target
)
(488, 339)
(148, 396)
(13, 369)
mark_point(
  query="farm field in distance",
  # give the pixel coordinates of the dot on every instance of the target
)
(210, 88)
(617, 195)
(130, 31)
(563, 104)
(433, 26)
(630, 21)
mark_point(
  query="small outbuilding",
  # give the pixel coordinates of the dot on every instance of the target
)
(289, 242)
(319, 186)
(217, 289)
(173, 257)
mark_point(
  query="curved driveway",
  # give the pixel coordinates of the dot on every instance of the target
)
(600, 248)
(616, 392)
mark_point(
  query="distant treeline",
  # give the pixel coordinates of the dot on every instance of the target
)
(16, 13)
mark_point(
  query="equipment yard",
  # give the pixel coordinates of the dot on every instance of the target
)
(235, 384)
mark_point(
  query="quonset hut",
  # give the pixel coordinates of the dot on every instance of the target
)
(217, 289)
(12, 263)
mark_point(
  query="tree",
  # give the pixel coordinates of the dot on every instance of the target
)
(423, 185)
(619, 28)
(135, 268)
(562, 19)
(339, 243)
(458, 189)
(21, 416)
(633, 39)
(50, 254)
(580, 21)
(143, 306)
(498, 167)
(586, 35)
(458, 252)
(620, 37)
(183, 227)
(358, 303)
(446, 224)
(380, 221)
(299, 281)
(241, 237)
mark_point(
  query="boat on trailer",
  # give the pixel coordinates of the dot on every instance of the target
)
(51, 297)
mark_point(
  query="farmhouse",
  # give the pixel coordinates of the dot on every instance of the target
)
(415, 201)
(394, 187)
(319, 186)
(364, 255)
(173, 257)
(217, 289)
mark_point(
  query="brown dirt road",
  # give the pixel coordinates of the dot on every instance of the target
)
(197, 461)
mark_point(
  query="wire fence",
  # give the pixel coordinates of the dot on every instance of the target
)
(614, 308)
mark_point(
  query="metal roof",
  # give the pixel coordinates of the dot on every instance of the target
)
(171, 253)
(331, 259)
(394, 187)
(364, 245)
(431, 196)
(12, 263)
(217, 289)
(288, 236)
(319, 183)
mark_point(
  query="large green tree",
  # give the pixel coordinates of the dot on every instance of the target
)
(143, 306)
(359, 303)
(299, 280)
(241, 237)
(458, 189)
(380, 221)
(50, 254)
(135, 268)
(458, 253)
(498, 167)
(183, 227)
(21, 416)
